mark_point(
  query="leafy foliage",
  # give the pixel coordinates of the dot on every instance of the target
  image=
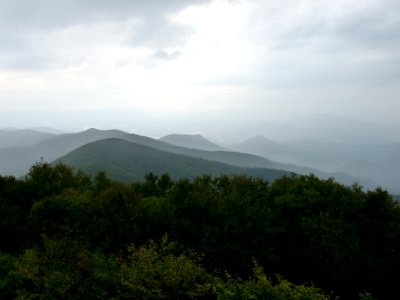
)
(67, 236)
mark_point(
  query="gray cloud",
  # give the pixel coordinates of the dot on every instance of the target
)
(162, 54)
(59, 13)
(25, 23)
(324, 45)
(373, 24)
(159, 33)
(26, 61)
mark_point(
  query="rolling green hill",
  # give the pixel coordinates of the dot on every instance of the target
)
(127, 161)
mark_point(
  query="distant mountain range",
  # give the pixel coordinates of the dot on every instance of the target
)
(17, 160)
(318, 127)
(378, 162)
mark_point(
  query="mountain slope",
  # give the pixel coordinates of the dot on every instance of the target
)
(195, 141)
(259, 145)
(127, 161)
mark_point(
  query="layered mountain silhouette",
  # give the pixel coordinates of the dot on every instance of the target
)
(17, 160)
(127, 161)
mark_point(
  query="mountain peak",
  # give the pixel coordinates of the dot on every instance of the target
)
(91, 130)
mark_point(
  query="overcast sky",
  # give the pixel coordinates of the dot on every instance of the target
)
(264, 59)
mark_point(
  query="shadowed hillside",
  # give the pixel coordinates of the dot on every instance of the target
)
(126, 161)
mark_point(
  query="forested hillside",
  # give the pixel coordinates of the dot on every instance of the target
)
(127, 161)
(68, 236)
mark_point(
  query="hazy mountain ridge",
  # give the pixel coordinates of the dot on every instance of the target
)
(196, 141)
(127, 161)
(341, 130)
(13, 137)
(260, 145)
(16, 161)
(317, 127)
(48, 130)
(376, 162)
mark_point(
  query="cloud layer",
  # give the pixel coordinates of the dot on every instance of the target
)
(201, 55)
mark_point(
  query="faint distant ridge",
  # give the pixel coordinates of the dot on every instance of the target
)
(14, 137)
(48, 130)
(341, 129)
(274, 150)
(376, 159)
(329, 128)
(195, 141)
(9, 129)
(259, 145)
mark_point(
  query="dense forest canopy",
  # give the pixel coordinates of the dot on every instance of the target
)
(67, 235)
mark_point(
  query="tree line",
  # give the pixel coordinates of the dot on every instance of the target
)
(67, 235)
